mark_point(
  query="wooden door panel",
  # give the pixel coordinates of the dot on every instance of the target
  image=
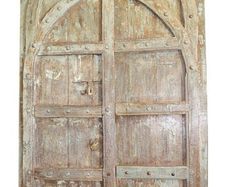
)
(52, 80)
(133, 21)
(51, 139)
(81, 24)
(69, 184)
(151, 183)
(151, 140)
(85, 80)
(150, 77)
(69, 80)
(85, 148)
(113, 93)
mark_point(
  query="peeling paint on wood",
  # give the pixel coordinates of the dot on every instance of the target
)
(113, 93)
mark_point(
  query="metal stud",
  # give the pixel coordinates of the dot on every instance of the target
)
(191, 16)
(172, 174)
(149, 108)
(67, 48)
(165, 14)
(126, 172)
(58, 8)
(50, 173)
(33, 45)
(106, 47)
(28, 110)
(48, 111)
(108, 174)
(186, 42)
(86, 47)
(68, 111)
(148, 173)
(67, 174)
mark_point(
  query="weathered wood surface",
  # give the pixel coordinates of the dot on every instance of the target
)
(113, 93)
(135, 172)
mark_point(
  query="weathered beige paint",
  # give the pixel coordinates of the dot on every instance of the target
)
(113, 93)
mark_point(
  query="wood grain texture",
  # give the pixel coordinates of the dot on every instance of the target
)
(113, 93)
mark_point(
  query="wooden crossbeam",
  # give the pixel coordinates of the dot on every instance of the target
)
(68, 49)
(69, 174)
(139, 172)
(67, 111)
(150, 109)
(147, 45)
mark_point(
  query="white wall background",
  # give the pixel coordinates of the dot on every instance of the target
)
(220, 27)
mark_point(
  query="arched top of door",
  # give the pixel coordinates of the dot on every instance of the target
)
(160, 10)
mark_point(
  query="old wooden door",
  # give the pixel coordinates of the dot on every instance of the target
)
(113, 93)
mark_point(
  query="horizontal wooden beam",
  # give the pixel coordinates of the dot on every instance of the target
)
(138, 172)
(70, 174)
(147, 45)
(70, 49)
(120, 46)
(141, 109)
(67, 111)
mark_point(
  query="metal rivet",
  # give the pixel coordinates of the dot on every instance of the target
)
(48, 111)
(28, 110)
(88, 174)
(165, 14)
(86, 47)
(33, 45)
(192, 67)
(29, 172)
(186, 42)
(146, 44)
(106, 109)
(172, 174)
(190, 16)
(59, 8)
(149, 108)
(68, 111)
(88, 111)
(50, 173)
(126, 172)
(28, 76)
(46, 20)
(106, 47)
(148, 173)
(67, 48)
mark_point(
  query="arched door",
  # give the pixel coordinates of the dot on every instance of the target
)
(113, 93)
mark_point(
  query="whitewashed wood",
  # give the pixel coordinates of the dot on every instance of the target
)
(140, 65)
(132, 172)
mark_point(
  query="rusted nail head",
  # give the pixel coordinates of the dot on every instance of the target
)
(191, 16)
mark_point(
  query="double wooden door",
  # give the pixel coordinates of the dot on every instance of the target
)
(113, 93)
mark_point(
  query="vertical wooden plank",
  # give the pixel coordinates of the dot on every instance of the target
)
(203, 129)
(85, 76)
(85, 143)
(109, 94)
(51, 80)
(51, 149)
